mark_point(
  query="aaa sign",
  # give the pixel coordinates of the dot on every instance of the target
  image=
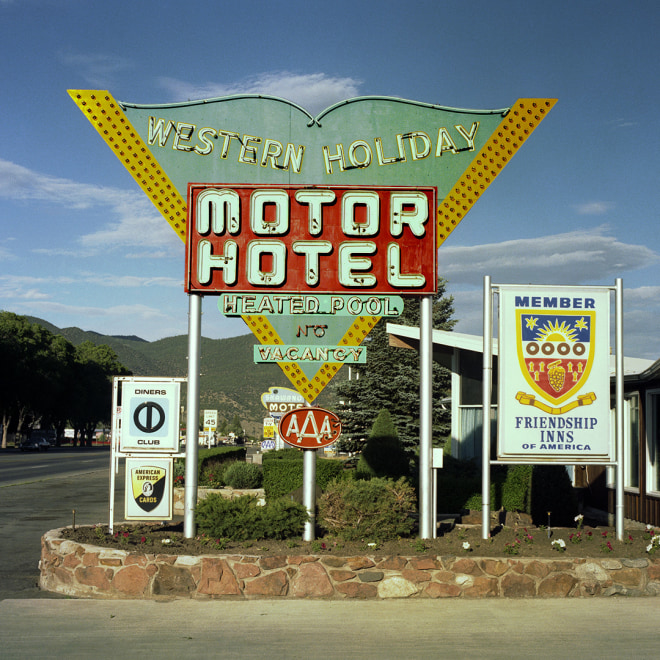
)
(310, 428)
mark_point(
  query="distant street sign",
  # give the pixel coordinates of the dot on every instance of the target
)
(267, 444)
(279, 400)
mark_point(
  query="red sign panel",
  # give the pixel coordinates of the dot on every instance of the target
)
(327, 239)
(309, 428)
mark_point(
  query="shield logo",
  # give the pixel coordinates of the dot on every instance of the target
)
(148, 486)
(555, 351)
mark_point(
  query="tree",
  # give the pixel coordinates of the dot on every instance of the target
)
(92, 395)
(29, 370)
(390, 379)
(383, 454)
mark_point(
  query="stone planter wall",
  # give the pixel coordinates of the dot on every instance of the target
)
(229, 493)
(87, 571)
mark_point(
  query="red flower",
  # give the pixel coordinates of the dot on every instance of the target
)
(143, 540)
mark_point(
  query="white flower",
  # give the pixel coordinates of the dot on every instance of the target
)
(560, 542)
(579, 517)
(648, 527)
(466, 545)
(372, 545)
(649, 547)
(165, 541)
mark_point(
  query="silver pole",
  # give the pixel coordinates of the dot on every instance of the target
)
(486, 397)
(426, 523)
(113, 440)
(309, 492)
(192, 413)
(619, 407)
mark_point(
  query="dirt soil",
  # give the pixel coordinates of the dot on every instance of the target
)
(518, 541)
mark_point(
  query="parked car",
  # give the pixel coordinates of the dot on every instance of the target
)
(31, 444)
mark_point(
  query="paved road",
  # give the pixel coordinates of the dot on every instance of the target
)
(44, 501)
(38, 624)
(18, 467)
(602, 628)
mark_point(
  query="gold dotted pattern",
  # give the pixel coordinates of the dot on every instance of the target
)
(109, 120)
(266, 334)
(518, 124)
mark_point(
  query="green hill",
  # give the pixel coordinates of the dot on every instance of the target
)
(230, 382)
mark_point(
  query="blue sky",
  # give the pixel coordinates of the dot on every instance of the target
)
(82, 246)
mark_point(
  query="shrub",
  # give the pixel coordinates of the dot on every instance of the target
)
(287, 454)
(243, 475)
(383, 454)
(376, 509)
(242, 518)
(283, 476)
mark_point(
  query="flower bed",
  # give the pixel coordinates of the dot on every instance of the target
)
(84, 570)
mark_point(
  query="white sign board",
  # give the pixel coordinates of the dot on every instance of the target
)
(148, 489)
(210, 420)
(150, 417)
(554, 380)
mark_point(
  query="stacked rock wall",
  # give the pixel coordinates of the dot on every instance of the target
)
(82, 570)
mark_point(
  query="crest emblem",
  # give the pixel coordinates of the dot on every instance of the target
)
(555, 351)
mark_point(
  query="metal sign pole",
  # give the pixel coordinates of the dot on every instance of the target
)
(618, 319)
(113, 459)
(192, 412)
(486, 397)
(426, 523)
(309, 492)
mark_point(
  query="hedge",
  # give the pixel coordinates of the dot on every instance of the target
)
(532, 489)
(282, 475)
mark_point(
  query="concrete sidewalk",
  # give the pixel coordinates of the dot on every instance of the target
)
(421, 628)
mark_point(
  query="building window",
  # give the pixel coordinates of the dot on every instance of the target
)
(653, 440)
(631, 448)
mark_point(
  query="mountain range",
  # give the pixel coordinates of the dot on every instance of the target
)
(230, 381)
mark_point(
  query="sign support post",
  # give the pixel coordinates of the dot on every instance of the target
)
(309, 492)
(486, 397)
(426, 522)
(618, 283)
(192, 412)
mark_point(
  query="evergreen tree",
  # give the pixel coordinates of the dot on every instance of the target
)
(383, 454)
(390, 379)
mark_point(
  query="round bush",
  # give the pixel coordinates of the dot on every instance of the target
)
(378, 509)
(243, 475)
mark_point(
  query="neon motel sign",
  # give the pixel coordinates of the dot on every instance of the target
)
(326, 239)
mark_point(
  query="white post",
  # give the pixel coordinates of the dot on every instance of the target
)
(309, 492)
(619, 407)
(486, 397)
(192, 413)
(426, 522)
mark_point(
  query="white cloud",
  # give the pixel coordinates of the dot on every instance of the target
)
(98, 69)
(312, 91)
(572, 258)
(136, 222)
(593, 208)
(581, 257)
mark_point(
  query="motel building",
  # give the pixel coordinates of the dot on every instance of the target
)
(462, 354)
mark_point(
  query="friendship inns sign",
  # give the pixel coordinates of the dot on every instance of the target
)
(268, 142)
(554, 373)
